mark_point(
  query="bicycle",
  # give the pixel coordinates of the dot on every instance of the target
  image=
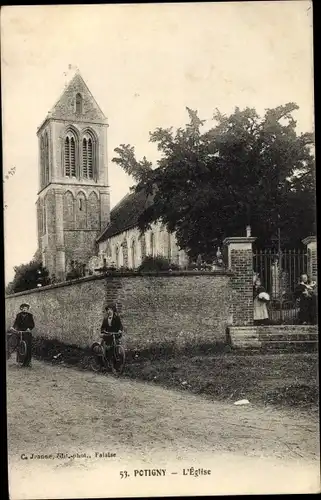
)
(19, 345)
(116, 359)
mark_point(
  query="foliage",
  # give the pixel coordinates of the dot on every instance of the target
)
(139, 170)
(158, 263)
(246, 169)
(28, 276)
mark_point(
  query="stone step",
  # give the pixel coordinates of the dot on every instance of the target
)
(274, 336)
(291, 338)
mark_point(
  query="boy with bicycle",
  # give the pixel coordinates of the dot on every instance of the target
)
(111, 324)
(24, 322)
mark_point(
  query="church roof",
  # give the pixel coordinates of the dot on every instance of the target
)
(65, 108)
(125, 214)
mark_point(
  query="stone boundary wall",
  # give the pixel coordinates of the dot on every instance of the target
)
(181, 307)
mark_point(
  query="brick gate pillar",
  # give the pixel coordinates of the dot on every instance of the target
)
(312, 264)
(240, 262)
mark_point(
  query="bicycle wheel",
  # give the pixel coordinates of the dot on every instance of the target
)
(12, 343)
(22, 352)
(96, 364)
(118, 360)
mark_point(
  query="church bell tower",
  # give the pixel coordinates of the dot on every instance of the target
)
(73, 204)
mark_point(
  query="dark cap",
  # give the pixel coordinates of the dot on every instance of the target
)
(112, 307)
(25, 304)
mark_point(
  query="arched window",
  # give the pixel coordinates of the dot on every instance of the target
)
(121, 256)
(169, 247)
(81, 211)
(108, 250)
(68, 210)
(162, 241)
(93, 211)
(117, 256)
(46, 159)
(133, 254)
(152, 244)
(88, 156)
(40, 216)
(79, 102)
(44, 218)
(142, 240)
(70, 155)
(42, 161)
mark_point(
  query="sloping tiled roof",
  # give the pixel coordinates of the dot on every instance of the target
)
(125, 215)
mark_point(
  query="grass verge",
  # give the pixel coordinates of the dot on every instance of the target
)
(287, 379)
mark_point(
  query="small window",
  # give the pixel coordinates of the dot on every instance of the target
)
(78, 104)
(80, 204)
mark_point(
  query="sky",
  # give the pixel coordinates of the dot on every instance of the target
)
(144, 64)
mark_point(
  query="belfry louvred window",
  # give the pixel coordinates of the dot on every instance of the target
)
(87, 158)
(67, 157)
(90, 159)
(70, 156)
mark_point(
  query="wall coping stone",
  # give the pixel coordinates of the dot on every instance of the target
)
(239, 239)
(123, 274)
(309, 239)
(263, 328)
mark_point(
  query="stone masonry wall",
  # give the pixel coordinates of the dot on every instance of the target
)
(70, 313)
(181, 307)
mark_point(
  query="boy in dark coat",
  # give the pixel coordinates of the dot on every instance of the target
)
(111, 324)
(24, 322)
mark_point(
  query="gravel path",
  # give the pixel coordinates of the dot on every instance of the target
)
(61, 411)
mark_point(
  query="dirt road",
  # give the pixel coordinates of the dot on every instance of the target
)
(59, 411)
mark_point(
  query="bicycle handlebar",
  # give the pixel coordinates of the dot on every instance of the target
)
(111, 333)
(13, 330)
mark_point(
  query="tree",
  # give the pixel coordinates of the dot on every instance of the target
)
(245, 170)
(28, 276)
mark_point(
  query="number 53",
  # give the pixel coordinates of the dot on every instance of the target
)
(123, 474)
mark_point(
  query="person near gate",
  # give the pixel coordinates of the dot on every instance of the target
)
(261, 298)
(306, 294)
(24, 322)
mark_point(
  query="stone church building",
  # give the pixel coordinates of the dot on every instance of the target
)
(75, 223)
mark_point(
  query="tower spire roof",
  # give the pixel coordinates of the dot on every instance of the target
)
(65, 108)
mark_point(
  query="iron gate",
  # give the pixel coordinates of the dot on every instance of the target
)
(280, 273)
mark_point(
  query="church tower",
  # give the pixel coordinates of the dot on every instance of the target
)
(73, 204)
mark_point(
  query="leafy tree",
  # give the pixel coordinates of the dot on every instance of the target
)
(28, 276)
(246, 169)
(139, 170)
